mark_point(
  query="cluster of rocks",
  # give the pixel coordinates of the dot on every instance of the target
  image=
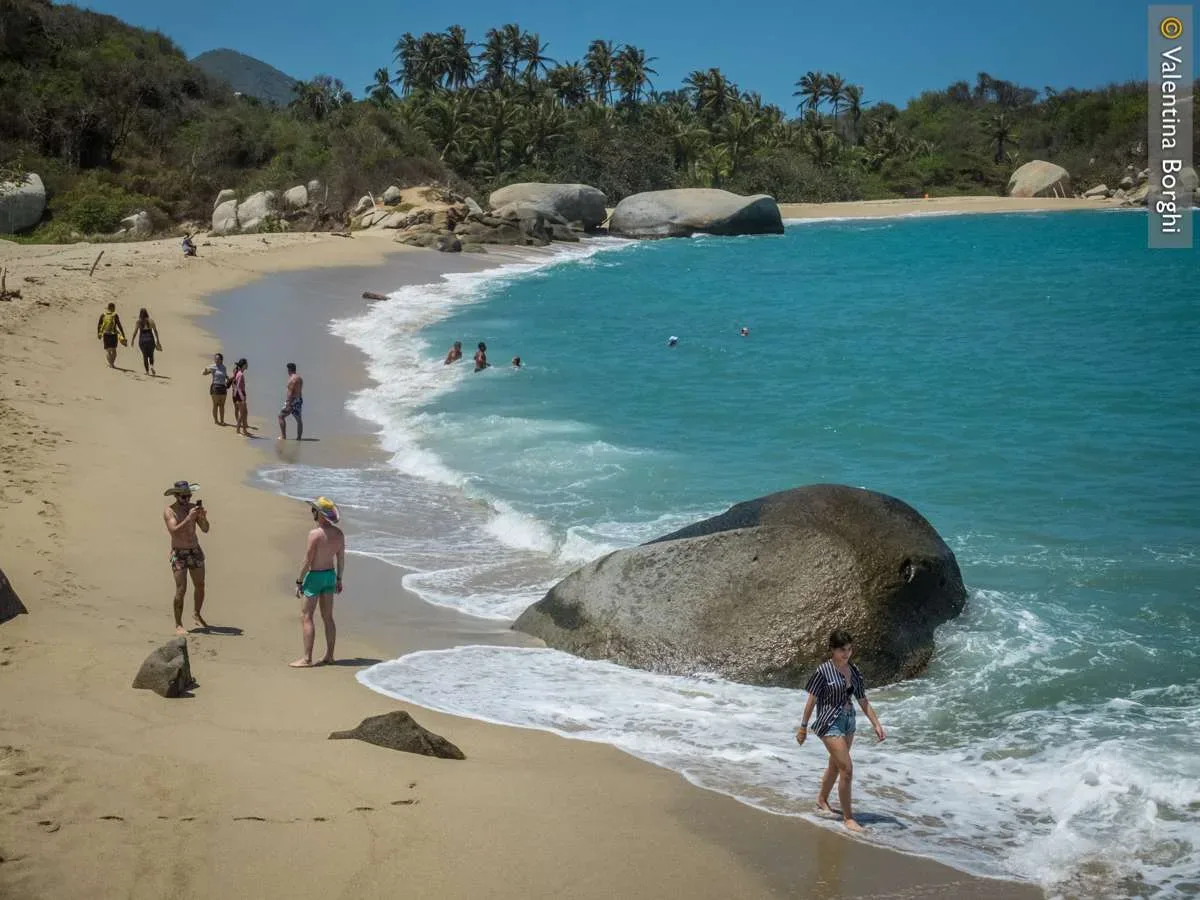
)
(1044, 179)
(535, 214)
(300, 208)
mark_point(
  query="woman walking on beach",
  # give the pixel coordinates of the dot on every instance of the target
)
(219, 388)
(831, 689)
(240, 410)
(145, 333)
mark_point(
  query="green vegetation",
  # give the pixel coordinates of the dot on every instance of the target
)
(115, 118)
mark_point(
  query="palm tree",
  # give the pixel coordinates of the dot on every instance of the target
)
(811, 90)
(600, 62)
(835, 90)
(855, 104)
(460, 65)
(405, 55)
(514, 44)
(532, 54)
(448, 124)
(569, 83)
(632, 73)
(1000, 130)
(712, 93)
(494, 59)
(380, 90)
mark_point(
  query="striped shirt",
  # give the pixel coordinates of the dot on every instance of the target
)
(831, 692)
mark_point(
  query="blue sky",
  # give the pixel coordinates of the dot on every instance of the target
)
(894, 49)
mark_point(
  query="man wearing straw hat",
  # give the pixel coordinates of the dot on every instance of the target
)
(181, 518)
(321, 578)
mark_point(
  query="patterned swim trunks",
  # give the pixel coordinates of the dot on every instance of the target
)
(183, 558)
(292, 407)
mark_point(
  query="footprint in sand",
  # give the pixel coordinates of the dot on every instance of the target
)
(363, 809)
(409, 802)
(319, 819)
(112, 819)
(48, 826)
(249, 819)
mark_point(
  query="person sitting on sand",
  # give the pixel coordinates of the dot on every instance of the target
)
(481, 357)
(145, 335)
(516, 363)
(110, 332)
(293, 404)
(189, 249)
(455, 354)
(831, 689)
(240, 410)
(219, 388)
(181, 519)
(320, 579)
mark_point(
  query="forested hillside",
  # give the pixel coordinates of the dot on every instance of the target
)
(114, 118)
(248, 76)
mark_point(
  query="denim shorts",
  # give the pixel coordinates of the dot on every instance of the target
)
(843, 725)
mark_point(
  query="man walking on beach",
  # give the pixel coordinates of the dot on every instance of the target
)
(181, 518)
(320, 579)
(110, 331)
(293, 404)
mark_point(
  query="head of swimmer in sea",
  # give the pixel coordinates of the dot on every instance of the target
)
(841, 645)
(483, 346)
(458, 345)
(516, 362)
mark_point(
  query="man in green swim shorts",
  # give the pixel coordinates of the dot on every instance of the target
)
(321, 578)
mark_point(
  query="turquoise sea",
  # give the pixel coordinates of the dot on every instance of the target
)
(1029, 382)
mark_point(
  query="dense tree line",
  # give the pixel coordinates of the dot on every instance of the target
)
(113, 116)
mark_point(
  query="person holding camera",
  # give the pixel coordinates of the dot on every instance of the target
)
(182, 518)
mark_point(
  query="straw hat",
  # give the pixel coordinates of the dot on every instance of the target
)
(181, 487)
(327, 509)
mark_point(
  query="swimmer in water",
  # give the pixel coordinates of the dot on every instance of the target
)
(516, 362)
(455, 354)
(745, 332)
(672, 341)
(481, 362)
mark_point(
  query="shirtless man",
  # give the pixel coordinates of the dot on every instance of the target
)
(181, 519)
(293, 404)
(321, 578)
(454, 355)
(481, 362)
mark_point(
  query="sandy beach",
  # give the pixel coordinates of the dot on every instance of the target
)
(871, 209)
(110, 792)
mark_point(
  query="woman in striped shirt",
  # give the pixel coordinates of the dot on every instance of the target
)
(831, 690)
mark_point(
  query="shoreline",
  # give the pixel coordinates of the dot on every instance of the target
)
(878, 209)
(236, 790)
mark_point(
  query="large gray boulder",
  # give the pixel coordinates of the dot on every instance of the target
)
(225, 218)
(10, 604)
(1039, 178)
(296, 198)
(224, 195)
(22, 203)
(167, 670)
(392, 195)
(258, 206)
(1188, 180)
(683, 212)
(1099, 192)
(400, 731)
(580, 203)
(752, 594)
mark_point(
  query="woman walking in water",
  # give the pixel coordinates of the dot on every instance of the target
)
(145, 334)
(831, 689)
(238, 394)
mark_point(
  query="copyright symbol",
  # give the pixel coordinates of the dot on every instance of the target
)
(1170, 28)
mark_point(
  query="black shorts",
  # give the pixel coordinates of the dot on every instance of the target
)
(219, 390)
(110, 341)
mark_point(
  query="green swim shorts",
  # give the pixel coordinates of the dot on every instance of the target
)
(322, 581)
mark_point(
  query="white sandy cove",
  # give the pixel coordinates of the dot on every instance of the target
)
(236, 792)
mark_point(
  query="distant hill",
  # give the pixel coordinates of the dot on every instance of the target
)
(250, 76)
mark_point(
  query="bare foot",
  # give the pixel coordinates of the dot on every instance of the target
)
(199, 620)
(179, 629)
(823, 806)
(326, 661)
(851, 825)
(301, 664)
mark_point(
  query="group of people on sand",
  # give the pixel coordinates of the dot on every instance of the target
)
(481, 361)
(319, 581)
(324, 563)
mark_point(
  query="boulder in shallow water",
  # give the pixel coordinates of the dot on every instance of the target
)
(1039, 178)
(400, 731)
(10, 604)
(167, 670)
(753, 593)
(683, 212)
